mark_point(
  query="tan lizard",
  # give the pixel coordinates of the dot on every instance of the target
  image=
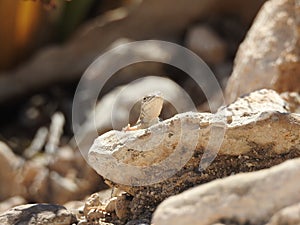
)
(151, 106)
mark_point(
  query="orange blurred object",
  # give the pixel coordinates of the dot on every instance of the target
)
(27, 18)
(19, 21)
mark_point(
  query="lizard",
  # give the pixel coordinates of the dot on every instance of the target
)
(151, 106)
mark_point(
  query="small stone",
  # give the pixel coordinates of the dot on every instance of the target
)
(91, 203)
(111, 205)
(122, 207)
(75, 207)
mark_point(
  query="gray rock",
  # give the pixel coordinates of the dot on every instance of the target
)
(44, 214)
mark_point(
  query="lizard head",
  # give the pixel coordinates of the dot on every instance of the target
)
(152, 104)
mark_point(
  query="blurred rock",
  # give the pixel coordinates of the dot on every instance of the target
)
(11, 202)
(35, 177)
(63, 160)
(10, 167)
(269, 56)
(65, 189)
(222, 72)
(206, 43)
(64, 174)
(235, 199)
(287, 216)
(45, 214)
(47, 178)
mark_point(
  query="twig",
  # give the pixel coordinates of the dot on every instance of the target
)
(56, 129)
(37, 144)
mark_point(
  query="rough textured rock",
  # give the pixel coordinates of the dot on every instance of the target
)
(269, 56)
(260, 133)
(287, 216)
(235, 198)
(146, 147)
(45, 214)
(93, 208)
(206, 43)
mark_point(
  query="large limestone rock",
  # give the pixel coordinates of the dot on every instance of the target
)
(244, 198)
(269, 56)
(155, 163)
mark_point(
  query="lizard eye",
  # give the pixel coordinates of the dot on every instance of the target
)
(145, 98)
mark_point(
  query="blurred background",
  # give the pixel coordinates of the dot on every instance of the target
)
(46, 45)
